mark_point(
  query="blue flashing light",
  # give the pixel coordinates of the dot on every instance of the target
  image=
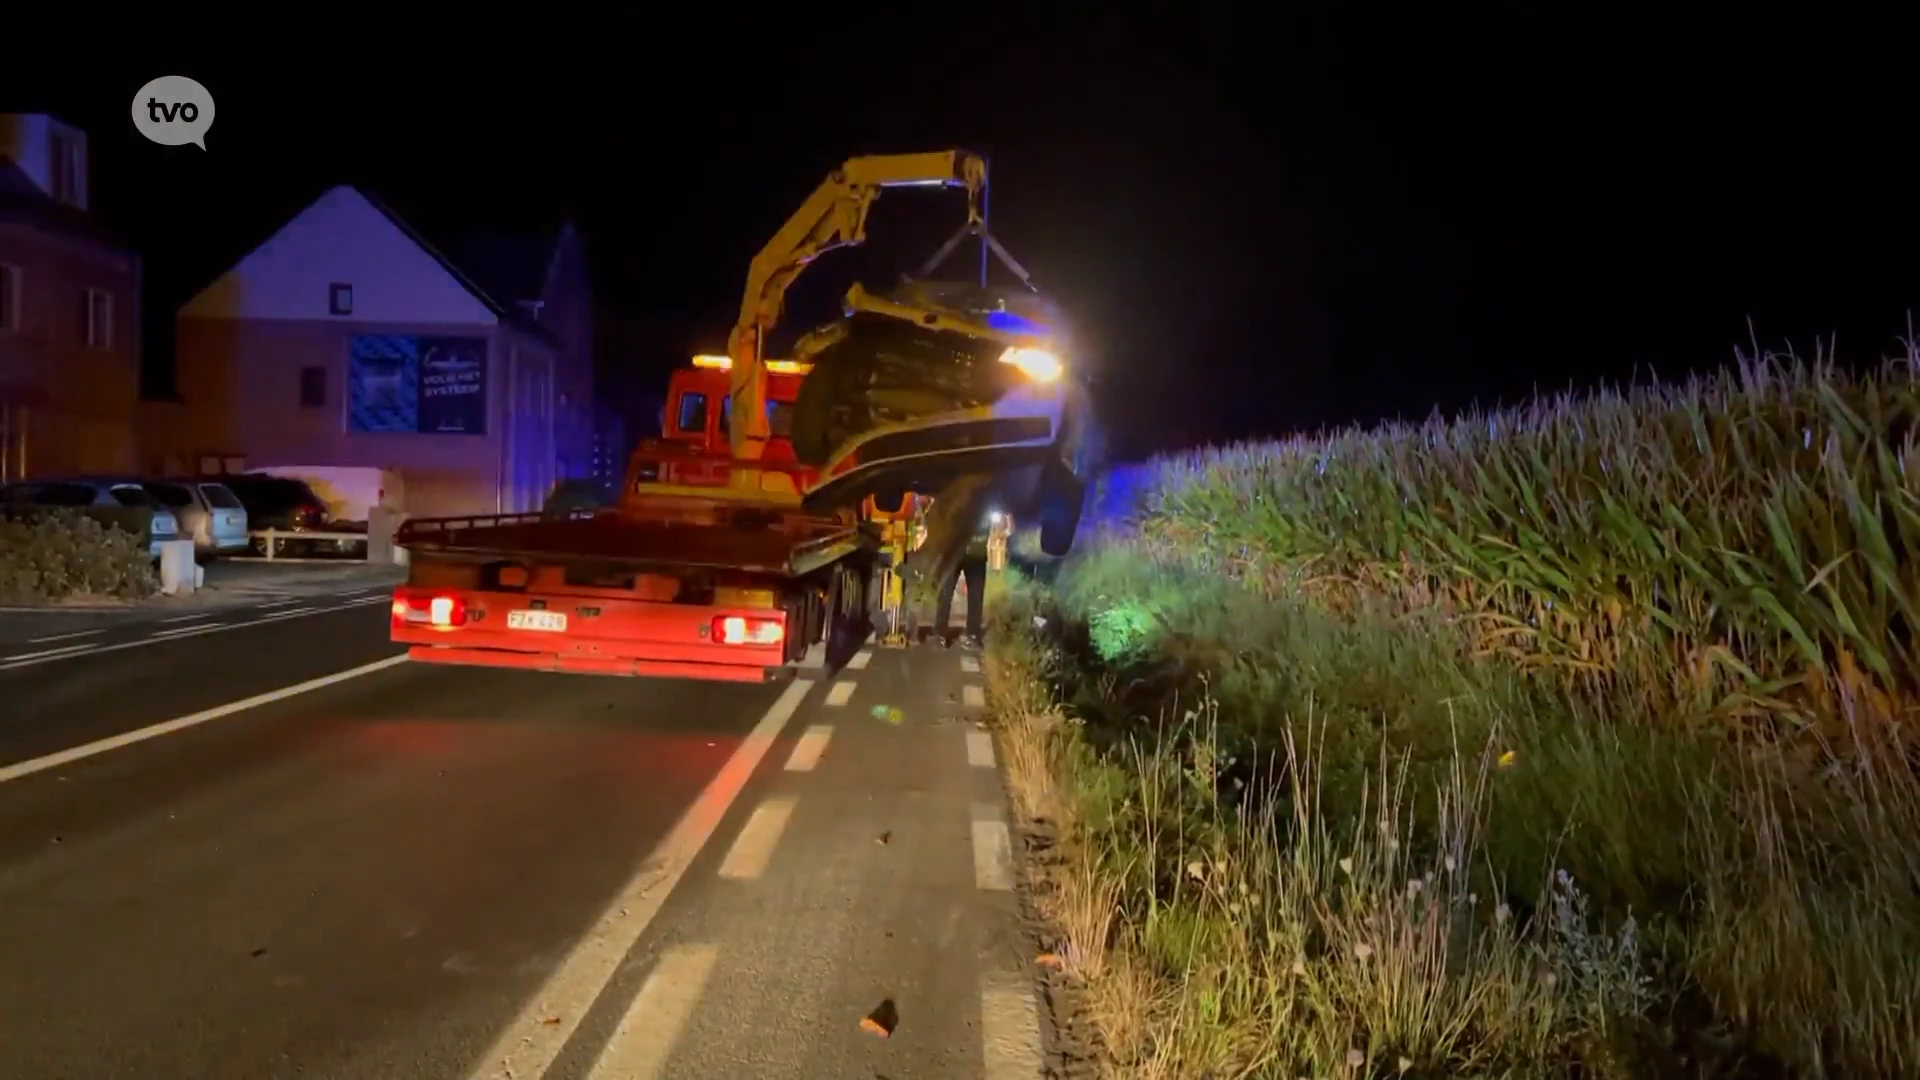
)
(1008, 323)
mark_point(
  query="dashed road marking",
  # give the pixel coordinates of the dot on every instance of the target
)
(63, 637)
(753, 849)
(189, 618)
(8, 663)
(154, 731)
(980, 749)
(841, 691)
(278, 603)
(970, 665)
(44, 655)
(530, 1044)
(807, 751)
(652, 1025)
(1009, 1028)
(973, 697)
(860, 660)
(992, 850)
(187, 631)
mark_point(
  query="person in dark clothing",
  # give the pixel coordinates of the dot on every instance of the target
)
(973, 567)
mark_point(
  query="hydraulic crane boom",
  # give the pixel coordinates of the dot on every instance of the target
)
(834, 216)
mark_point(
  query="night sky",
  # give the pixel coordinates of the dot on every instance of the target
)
(1263, 225)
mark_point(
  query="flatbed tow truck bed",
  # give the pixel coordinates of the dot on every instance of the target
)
(740, 597)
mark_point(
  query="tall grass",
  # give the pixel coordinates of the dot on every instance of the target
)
(1571, 740)
(1741, 545)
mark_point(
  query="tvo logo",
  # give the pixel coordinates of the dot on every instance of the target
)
(174, 110)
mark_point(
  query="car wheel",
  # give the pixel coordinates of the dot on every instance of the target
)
(1062, 496)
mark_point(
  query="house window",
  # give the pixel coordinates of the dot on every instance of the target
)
(340, 298)
(9, 298)
(313, 388)
(97, 319)
(67, 171)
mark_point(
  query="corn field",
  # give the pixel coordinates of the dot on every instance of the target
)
(1742, 545)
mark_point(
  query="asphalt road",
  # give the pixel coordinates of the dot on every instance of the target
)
(380, 869)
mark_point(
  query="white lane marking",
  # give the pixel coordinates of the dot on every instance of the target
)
(807, 751)
(189, 618)
(841, 691)
(973, 697)
(185, 631)
(44, 655)
(277, 603)
(181, 723)
(639, 1047)
(970, 665)
(63, 637)
(284, 612)
(860, 660)
(980, 749)
(753, 849)
(29, 660)
(1009, 1028)
(383, 598)
(992, 850)
(529, 1045)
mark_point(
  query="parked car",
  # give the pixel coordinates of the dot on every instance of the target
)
(287, 505)
(276, 502)
(124, 504)
(208, 512)
(581, 493)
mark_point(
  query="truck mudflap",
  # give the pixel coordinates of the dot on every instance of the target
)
(590, 635)
(1022, 429)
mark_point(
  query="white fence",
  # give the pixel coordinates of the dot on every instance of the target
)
(375, 545)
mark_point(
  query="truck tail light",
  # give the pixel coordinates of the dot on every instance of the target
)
(747, 630)
(441, 610)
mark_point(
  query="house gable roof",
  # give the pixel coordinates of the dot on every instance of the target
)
(217, 299)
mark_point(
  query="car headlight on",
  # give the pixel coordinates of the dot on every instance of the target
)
(1036, 364)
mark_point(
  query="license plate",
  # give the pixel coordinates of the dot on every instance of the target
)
(550, 621)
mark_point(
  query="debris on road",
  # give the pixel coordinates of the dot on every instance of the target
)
(884, 837)
(882, 1021)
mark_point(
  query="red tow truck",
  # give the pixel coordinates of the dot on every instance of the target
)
(727, 557)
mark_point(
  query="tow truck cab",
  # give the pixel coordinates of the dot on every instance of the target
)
(692, 448)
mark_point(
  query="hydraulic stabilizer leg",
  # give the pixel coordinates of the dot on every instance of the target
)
(893, 629)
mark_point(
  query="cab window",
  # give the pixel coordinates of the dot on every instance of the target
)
(693, 414)
(779, 418)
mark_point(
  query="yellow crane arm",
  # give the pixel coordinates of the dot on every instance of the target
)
(834, 216)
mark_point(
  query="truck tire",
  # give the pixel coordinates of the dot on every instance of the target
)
(847, 614)
(1062, 496)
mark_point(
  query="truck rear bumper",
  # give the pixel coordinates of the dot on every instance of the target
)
(576, 664)
(594, 635)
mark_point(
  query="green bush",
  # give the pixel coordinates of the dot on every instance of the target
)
(61, 556)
